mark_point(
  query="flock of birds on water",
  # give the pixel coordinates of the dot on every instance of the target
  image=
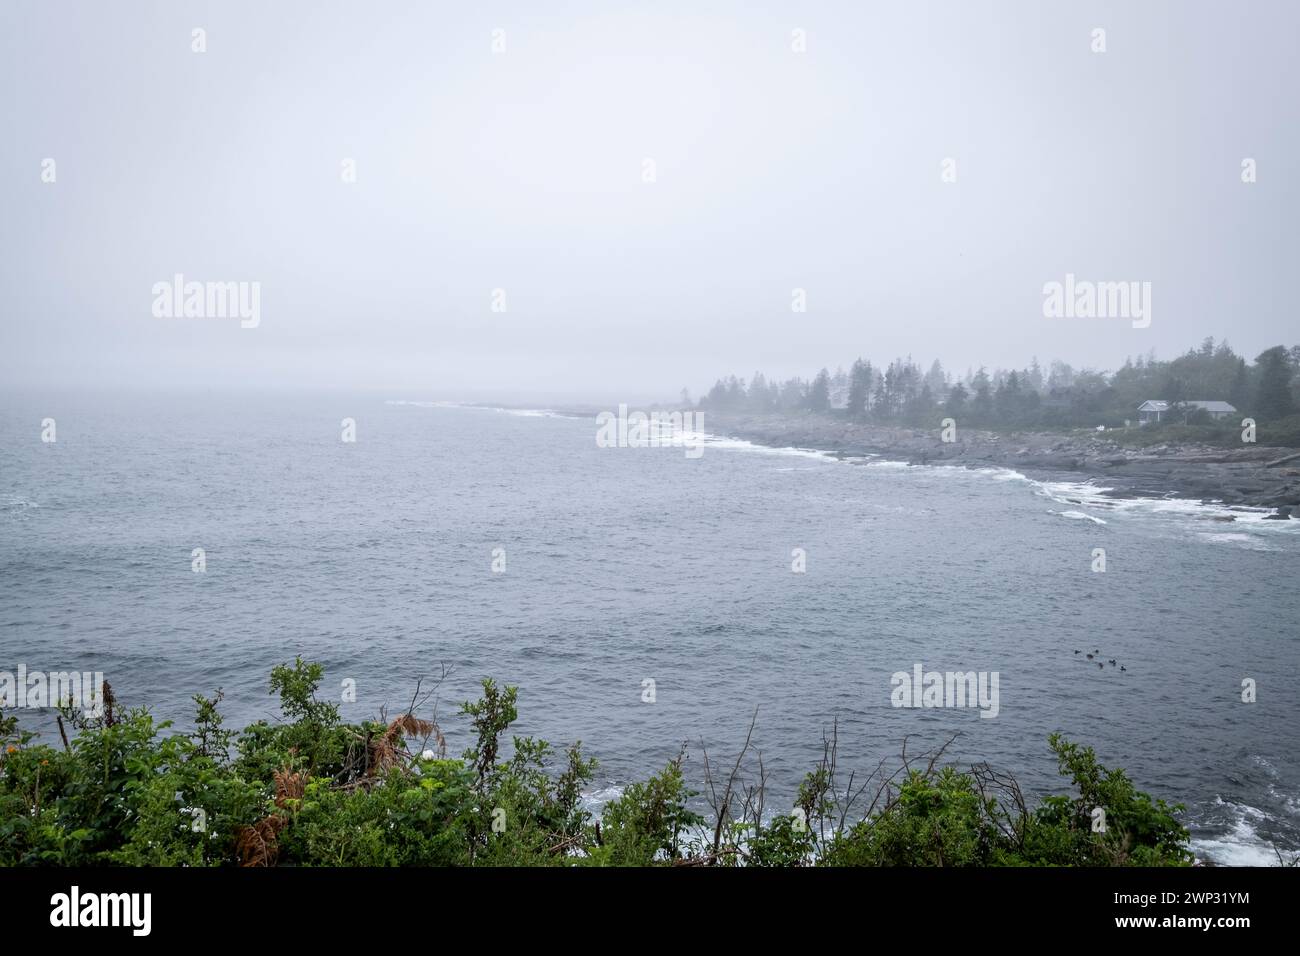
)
(1096, 654)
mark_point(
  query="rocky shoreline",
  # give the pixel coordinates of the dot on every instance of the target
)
(1251, 476)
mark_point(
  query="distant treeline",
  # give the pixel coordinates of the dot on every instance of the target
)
(901, 393)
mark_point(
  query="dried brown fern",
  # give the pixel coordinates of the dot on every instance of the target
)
(288, 786)
(384, 752)
(259, 844)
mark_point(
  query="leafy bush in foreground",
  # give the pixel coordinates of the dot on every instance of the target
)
(312, 791)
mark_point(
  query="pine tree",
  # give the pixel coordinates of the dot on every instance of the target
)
(982, 405)
(956, 404)
(819, 396)
(1273, 398)
(859, 389)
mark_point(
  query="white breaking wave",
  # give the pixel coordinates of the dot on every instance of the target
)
(521, 412)
(709, 440)
(593, 801)
(1240, 540)
(1241, 845)
(1087, 494)
(1090, 495)
(528, 412)
(1077, 515)
(1084, 494)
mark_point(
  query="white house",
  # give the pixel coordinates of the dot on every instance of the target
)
(1153, 410)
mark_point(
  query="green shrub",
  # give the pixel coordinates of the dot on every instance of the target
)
(313, 791)
(649, 823)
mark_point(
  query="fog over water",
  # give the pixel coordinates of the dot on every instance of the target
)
(413, 208)
(522, 170)
(625, 564)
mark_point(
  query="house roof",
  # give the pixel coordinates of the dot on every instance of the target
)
(1158, 405)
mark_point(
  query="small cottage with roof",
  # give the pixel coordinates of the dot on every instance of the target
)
(1155, 410)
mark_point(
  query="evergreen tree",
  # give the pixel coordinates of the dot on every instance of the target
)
(1239, 392)
(819, 396)
(921, 409)
(1060, 376)
(956, 404)
(735, 393)
(1033, 377)
(793, 394)
(982, 404)
(717, 397)
(937, 379)
(1007, 400)
(1273, 398)
(859, 389)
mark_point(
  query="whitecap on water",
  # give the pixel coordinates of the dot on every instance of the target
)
(1076, 515)
(1240, 539)
(1241, 844)
(15, 504)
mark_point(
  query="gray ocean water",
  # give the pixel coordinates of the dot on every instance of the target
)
(623, 564)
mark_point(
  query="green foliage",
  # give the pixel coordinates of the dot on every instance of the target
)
(311, 739)
(209, 738)
(73, 807)
(312, 791)
(1273, 399)
(490, 717)
(540, 820)
(403, 821)
(936, 820)
(948, 818)
(649, 822)
(1139, 831)
(785, 841)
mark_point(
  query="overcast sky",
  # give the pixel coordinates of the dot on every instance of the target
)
(523, 170)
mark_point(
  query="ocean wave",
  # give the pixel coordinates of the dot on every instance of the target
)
(593, 801)
(1092, 495)
(1240, 842)
(1085, 494)
(708, 440)
(519, 412)
(1237, 539)
(16, 504)
(528, 412)
(1076, 515)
